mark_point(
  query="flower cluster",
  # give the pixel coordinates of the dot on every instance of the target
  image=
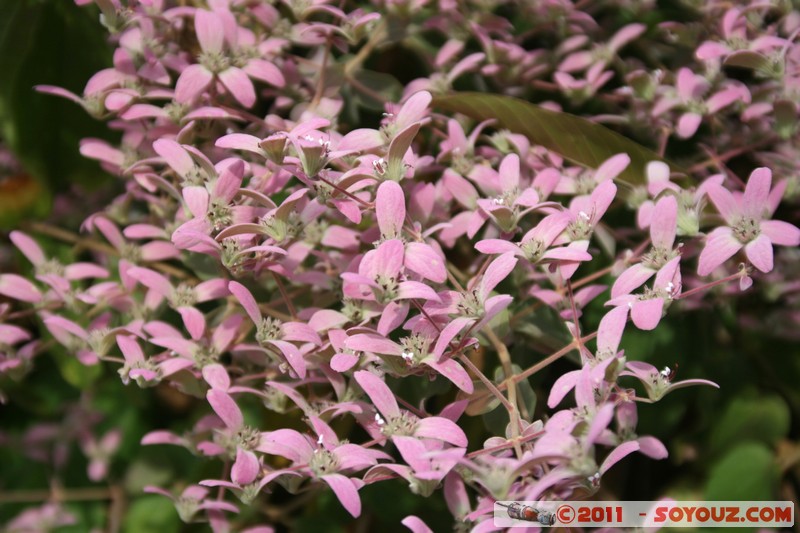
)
(277, 240)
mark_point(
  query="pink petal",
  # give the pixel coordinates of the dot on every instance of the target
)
(293, 357)
(236, 81)
(724, 201)
(612, 167)
(225, 408)
(561, 387)
(711, 50)
(688, 124)
(453, 371)
(414, 109)
(246, 468)
(240, 141)
(130, 349)
(436, 427)
(756, 193)
(362, 139)
(408, 290)
(19, 288)
(346, 492)
(609, 332)
(509, 172)
(422, 259)
(368, 342)
(212, 289)
(400, 145)
(625, 35)
(664, 223)
(342, 362)
(382, 397)
(496, 272)
(602, 196)
(390, 209)
(759, 252)
(415, 524)
(28, 247)
(246, 299)
(158, 251)
(152, 280)
(448, 334)
(781, 233)
(196, 199)
(393, 316)
(194, 321)
(266, 72)
(497, 246)
(631, 279)
(193, 80)
(652, 448)
(720, 246)
(175, 155)
(386, 260)
(646, 314)
(210, 31)
(618, 453)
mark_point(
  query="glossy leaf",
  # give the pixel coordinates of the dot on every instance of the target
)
(575, 138)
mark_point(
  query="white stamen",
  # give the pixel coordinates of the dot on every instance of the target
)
(379, 420)
(584, 216)
(319, 440)
(407, 356)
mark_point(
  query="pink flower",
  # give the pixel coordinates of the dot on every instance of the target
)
(392, 422)
(233, 67)
(192, 500)
(689, 94)
(380, 277)
(329, 460)
(535, 245)
(273, 335)
(662, 236)
(748, 225)
(659, 384)
(648, 308)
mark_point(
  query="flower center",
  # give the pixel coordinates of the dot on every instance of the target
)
(657, 258)
(533, 249)
(215, 62)
(470, 304)
(183, 296)
(247, 438)
(269, 329)
(195, 177)
(323, 463)
(400, 426)
(746, 229)
(388, 289)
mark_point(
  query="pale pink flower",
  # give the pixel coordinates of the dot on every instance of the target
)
(231, 65)
(748, 225)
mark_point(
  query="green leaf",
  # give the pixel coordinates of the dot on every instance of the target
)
(43, 131)
(575, 138)
(762, 419)
(748, 472)
(151, 513)
(74, 372)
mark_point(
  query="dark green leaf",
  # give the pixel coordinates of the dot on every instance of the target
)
(748, 472)
(574, 138)
(764, 419)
